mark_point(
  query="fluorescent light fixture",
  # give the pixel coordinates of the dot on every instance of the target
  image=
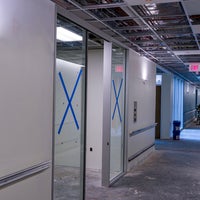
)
(187, 52)
(67, 36)
(144, 70)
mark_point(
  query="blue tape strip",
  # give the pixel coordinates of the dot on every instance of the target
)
(117, 100)
(113, 115)
(69, 101)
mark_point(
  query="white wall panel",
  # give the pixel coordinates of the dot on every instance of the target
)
(26, 83)
(94, 109)
(166, 106)
(140, 141)
(198, 96)
(141, 88)
(35, 187)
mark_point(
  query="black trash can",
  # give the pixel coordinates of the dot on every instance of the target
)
(176, 130)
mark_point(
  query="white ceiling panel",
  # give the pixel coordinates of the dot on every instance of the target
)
(192, 6)
(196, 29)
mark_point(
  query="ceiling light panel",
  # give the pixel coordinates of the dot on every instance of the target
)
(66, 35)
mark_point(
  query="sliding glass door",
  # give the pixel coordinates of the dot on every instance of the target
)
(69, 111)
(117, 112)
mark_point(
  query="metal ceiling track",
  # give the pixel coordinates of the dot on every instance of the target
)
(106, 25)
(155, 33)
(162, 31)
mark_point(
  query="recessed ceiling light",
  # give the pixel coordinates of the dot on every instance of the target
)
(67, 36)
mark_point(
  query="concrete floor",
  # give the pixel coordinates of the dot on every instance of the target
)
(66, 183)
(172, 172)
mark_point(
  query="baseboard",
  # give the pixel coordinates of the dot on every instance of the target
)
(141, 157)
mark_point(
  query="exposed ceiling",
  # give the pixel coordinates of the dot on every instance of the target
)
(165, 31)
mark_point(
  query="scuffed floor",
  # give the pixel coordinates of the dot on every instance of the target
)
(172, 172)
(66, 183)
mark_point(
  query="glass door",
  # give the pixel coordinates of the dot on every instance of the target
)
(69, 111)
(117, 112)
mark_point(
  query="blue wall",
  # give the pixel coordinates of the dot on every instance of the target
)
(178, 100)
(189, 103)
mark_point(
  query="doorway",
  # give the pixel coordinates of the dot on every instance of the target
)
(158, 111)
(69, 127)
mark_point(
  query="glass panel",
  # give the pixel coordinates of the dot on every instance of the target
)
(117, 112)
(69, 111)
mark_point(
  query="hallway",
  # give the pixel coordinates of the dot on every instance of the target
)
(171, 172)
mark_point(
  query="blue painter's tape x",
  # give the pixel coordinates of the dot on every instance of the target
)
(69, 99)
(117, 100)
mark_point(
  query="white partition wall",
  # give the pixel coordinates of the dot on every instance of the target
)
(35, 187)
(141, 81)
(99, 110)
(26, 103)
(94, 110)
(198, 97)
(166, 106)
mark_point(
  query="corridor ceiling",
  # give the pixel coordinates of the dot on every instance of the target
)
(165, 31)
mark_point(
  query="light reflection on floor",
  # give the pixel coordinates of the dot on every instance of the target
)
(190, 134)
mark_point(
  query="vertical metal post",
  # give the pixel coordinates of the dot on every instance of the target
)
(54, 97)
(84, 120)
(107, 66)
(125, 125)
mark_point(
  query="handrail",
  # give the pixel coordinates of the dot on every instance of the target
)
(11, 178)
(190, 111)
(142, 130)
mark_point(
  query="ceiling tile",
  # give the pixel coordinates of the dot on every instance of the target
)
(196, 28)
(192, 6)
